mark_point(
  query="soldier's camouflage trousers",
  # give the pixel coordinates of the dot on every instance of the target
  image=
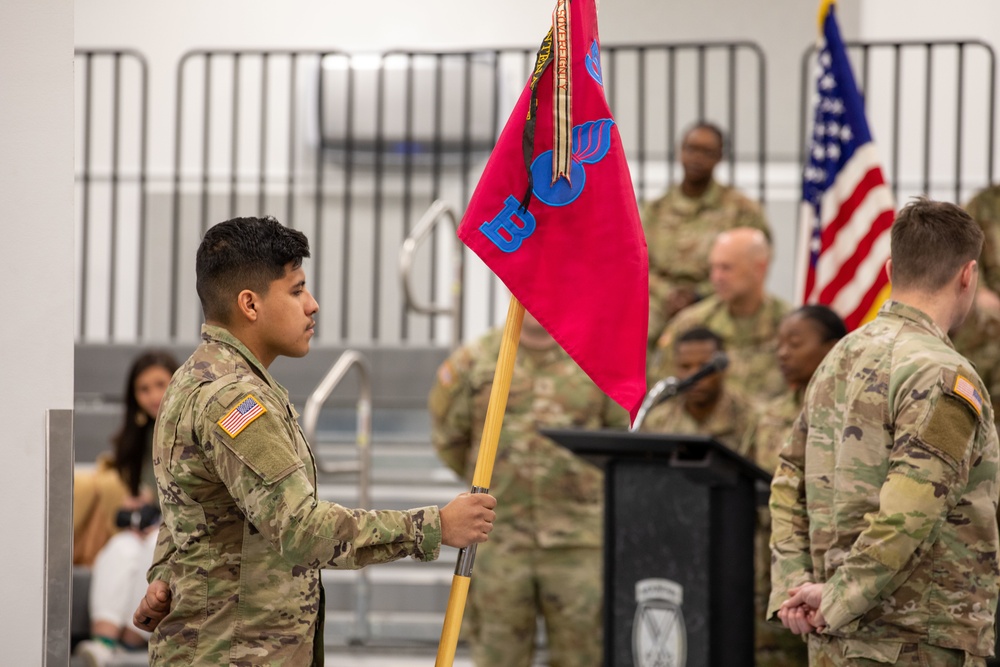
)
(836, 652)
(512, 587)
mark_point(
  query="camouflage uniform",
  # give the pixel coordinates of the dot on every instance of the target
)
(751, 344)
(985, 209)
(776, 646)
(887, 493)
(978, 340)
(728, 423)
(773, 426)
(679, 234)
(244, 535)
(544, 554)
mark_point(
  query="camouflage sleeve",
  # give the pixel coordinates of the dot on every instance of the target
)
(747, 425)
(791, 563)
(752, 215)
(451, 408)
(161, 556)
(268, 481)
(985, 209)
(928, 471)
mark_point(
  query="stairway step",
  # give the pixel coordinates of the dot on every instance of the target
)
(341, 627)
(392, 496)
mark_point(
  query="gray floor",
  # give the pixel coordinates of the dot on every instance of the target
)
(351, 656)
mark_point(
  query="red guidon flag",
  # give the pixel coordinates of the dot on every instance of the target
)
(555, 215)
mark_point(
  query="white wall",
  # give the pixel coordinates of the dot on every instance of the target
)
(36, 331)
(920, 19)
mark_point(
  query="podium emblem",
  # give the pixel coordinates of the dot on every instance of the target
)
(659, 637)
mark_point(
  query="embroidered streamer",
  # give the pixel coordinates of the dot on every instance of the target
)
(542, 60)
(562, 90)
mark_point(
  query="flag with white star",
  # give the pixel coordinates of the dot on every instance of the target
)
(847, 208)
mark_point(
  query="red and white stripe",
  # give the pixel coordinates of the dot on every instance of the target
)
(856, 215)
(237, 420)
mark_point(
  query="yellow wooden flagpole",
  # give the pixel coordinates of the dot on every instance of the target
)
(481, 478)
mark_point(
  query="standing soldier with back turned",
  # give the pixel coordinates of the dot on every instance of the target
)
(883, 507)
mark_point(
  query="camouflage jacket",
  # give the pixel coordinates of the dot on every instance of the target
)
(751, 344)
(985, 209)
(978, 340)
(546, 496)
(679, 235)
(729, 423)
(887, 491)
(244, 535)
(772, 426)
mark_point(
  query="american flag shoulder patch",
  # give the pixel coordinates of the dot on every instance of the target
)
(964, 388)
(242, 416)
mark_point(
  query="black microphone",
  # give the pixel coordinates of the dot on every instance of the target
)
(716, 364)
(670, 386)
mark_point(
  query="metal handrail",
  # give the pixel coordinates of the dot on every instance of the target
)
(427, 223)
(310, 417)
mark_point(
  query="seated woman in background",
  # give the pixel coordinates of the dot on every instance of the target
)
(805, 336)
(118, 514)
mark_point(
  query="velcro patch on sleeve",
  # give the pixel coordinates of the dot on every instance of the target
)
(950, 427)
(241, 416)
(267, 452)
(967, 390)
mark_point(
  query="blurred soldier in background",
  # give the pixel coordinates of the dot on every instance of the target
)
(740, 312)
(805, 336)
(985, 210)
(544, 556)
(681, 225)
(709, 407)
(978, 340)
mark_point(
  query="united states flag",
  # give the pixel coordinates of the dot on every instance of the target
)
(241, 416)
(847, 208)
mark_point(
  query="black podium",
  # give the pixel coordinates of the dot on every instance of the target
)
(679, 525)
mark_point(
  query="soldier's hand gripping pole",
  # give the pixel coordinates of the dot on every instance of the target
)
(481, 478)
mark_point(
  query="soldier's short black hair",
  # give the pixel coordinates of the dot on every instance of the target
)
(830, 326)
(698, 334)
(711, 127)
(930, 242)
(240, 254)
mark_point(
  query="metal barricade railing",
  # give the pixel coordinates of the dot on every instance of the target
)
(112, 109)
(900, 90)
(694, 81)
(353, 148)
(362, 466)
(438, 211)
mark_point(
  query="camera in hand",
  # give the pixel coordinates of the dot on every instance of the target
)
(139, 519)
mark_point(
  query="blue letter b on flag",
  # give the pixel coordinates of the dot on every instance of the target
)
(510, 226)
